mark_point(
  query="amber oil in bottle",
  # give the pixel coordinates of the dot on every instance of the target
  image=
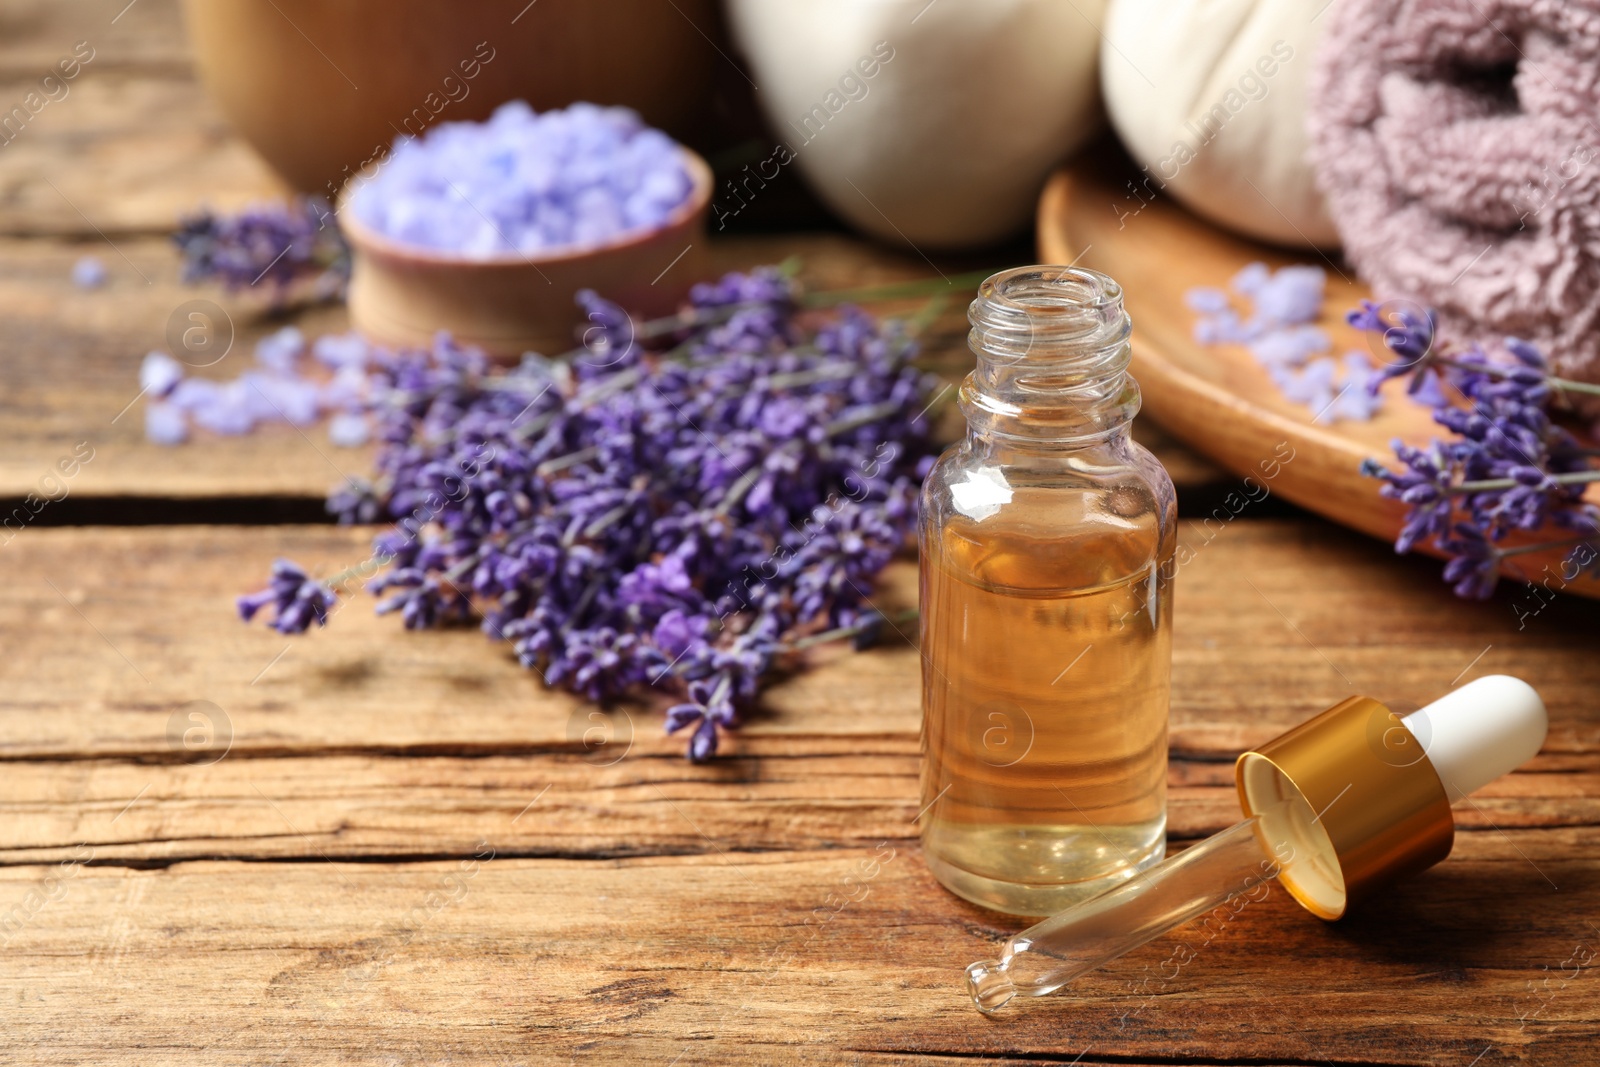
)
(1047, 540)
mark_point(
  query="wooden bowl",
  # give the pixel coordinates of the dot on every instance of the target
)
(508, 304)
(320, 88)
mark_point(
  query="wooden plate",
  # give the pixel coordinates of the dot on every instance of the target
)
(1217, 398)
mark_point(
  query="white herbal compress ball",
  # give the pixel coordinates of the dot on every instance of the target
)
(1210, 97)
(929, 123)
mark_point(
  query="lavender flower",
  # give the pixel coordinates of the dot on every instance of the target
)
(278, 244)
(682, 518)
(1508, 468)
(1409, 336)
(297, 601)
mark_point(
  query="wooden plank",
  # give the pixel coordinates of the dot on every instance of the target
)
(110, 630)
(146, 35)
(123, 153)
(366, 740)
(125, 146)
(561, 805)
(839, 956)
(70, 373)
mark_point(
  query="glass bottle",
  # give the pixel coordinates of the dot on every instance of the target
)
(1047, 540)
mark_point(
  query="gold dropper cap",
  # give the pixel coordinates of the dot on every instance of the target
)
(1349, 803)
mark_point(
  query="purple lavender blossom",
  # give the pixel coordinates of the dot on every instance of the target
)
(1408, 332)
(297, 601)
(268, 245)
(638, 518)
(1509, 468)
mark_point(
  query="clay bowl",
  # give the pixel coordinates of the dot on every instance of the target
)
(401, 295)
(320, 88)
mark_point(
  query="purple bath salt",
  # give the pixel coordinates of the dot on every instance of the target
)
(349, 430)
(341, 350)
(88, 273)
(1291, 295)
(1206, 299)
(286, 385)
(193, 394)
(231, 411)
(1290, 345)
(527, 183)
(159, 374)
(281, 350)
(1281, 335)
(164, 423)
(270, 396)
(347, 390)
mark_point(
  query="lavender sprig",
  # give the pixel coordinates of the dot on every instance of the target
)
(1509, 468)
(280, 244)
(626, 520)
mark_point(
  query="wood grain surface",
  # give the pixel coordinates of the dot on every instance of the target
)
(73, 375)
(394, 848)
(637, 905)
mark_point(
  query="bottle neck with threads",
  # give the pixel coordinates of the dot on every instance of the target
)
(1052, 370)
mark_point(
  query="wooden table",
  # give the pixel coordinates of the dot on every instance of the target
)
(399, 848)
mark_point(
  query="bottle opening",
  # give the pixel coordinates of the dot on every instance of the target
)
(1047, 312)
(1051, 288)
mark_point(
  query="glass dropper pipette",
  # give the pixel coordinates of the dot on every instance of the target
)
(1335, 808)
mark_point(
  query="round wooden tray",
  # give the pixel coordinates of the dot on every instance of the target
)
(1216, 398)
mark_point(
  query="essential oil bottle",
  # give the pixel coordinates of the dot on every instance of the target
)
(1047, 544)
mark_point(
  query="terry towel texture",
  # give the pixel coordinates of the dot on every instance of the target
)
(1458, 145)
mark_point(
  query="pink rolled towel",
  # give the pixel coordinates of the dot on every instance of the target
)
(1458, 145)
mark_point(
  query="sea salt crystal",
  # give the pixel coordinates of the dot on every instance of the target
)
(230, 412)
(1291, 346)
(527, 182)
(1280, 335)
(1250, 279)
(270, 397)
(88, 273)
(1206, 299)
(347, 389)
(341, 350)
(191, 394)
(281, 350)
(164, 423)
(1292, 295)
(349, 430)
(1312, 386)
(159, 374)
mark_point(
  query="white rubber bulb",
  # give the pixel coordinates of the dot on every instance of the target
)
(1473, 735)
